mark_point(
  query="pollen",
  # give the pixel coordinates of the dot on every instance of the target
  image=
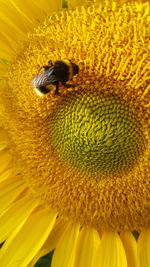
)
(86, 151)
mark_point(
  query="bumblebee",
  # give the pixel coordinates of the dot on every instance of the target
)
(54, 74)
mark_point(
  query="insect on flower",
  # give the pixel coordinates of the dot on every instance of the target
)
(61, 71)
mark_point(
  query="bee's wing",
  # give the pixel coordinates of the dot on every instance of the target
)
(43, 78)
(51, 77)
(38, 80)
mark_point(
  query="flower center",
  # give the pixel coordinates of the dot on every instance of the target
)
(96, 133)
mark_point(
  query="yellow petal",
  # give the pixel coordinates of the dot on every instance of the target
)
(3, 138)
(5, 175)
(6, 51)
(30, 11)
(19, 249)
(65, 250)
(130, 246)
(16, 215)
(144, 248)
(9, 191)
(87, 244)
(3, 67)
(51, 241)
(11, 31)
(74, 3)
(48, 6)
(19, 17)
(110, 252)
(5, 158)
(27, 13)
(10, 15)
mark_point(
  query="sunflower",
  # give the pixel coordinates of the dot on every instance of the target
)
(74, 171)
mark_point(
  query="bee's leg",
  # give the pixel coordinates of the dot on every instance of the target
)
(50, 63)
(43, 89)
(57, 89)
(67, 85)
(46, 67)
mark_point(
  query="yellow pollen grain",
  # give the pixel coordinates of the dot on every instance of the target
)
(113, 57)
